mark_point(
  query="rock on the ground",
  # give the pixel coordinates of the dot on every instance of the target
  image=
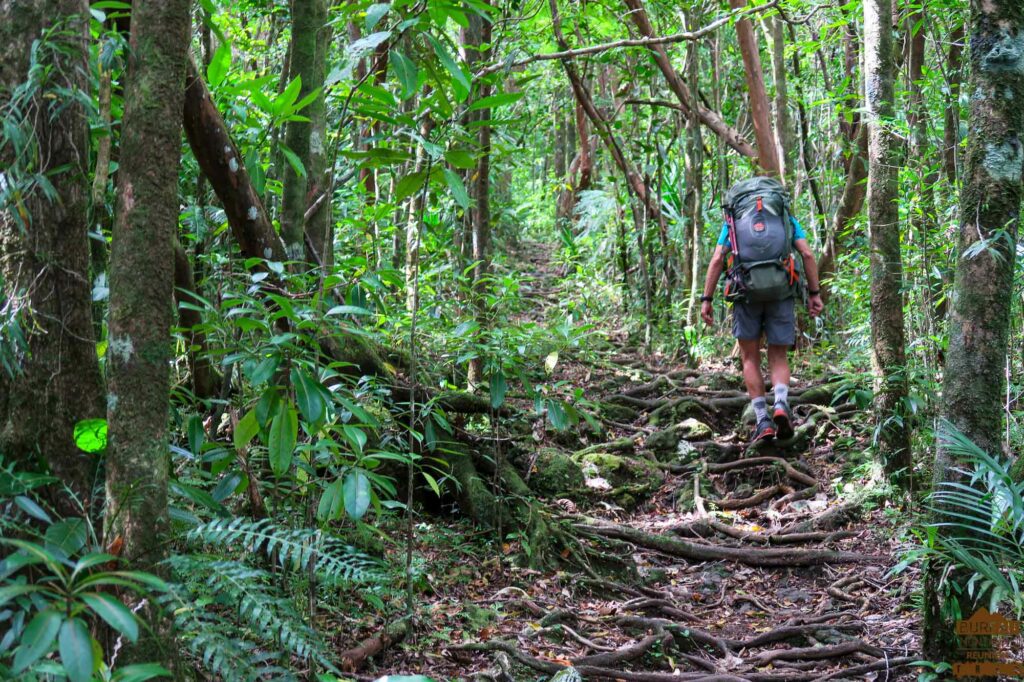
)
(556, 474)
(666, 441)
(626, 480)
(567, 675)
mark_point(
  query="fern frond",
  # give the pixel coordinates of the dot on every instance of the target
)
(292, 548)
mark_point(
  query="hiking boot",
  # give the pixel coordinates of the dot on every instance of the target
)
(783, 418)
(764, 431)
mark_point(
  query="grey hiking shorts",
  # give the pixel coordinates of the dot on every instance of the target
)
(775, 319)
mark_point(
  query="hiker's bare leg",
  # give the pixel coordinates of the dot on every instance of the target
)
(750, 354)
(778, 364)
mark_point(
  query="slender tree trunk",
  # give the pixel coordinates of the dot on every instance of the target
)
(308, 18)
(317, 217)
(849, 207)
(951, 129)
(767, 156)
(694, 197)
(990, 206)
(44, 257)
(887, 335)
(414, 223)
(205, 380)
(784, 137)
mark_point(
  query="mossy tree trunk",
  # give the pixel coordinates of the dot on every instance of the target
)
(308, 18)
(887, 335)
(44, 250)
(767, 151)
(142, 279)
(990, 204)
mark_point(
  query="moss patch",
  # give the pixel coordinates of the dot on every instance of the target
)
(556, 474)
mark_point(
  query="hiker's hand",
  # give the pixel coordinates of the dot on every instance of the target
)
(815, 305)
(706, 313)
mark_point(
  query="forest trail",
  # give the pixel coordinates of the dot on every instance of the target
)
(698, 558)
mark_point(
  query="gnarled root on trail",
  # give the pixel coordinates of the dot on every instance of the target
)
(693, 551)
(353, 659)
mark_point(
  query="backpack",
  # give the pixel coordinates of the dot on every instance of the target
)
(761, 266)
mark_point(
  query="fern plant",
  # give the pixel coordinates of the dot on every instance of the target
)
(231, 613)
(983, 530)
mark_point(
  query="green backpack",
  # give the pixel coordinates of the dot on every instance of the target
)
(761, 266)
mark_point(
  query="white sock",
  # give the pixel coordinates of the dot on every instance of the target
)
(760, 409)
(781, 394)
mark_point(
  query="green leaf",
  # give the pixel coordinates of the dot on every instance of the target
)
(376, 12)
(294, 161)
(257, 175)
(308, 396)
(432, 482)
(498, 389)
(75, 645)
(495, 101)
(349, 310)
(37, 639)
(406, 73)
(284, 431)
(91, 435)
(356, 436)
(330, 502)
(219, 65)
(67, 536)
(461, 84)
(460, 158)
(246, 430)
(356, 491)
(11, 591)
(557, 414)
(409, 185)
(196, 434)
(264, 370)
(114, 613)
(283, 102)
(458, 189)
(29, 506)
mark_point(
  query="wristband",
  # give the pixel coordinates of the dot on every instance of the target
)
(816, 292)
(706, 299)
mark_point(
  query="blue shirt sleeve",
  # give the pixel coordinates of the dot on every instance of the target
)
(798, 229)
(723, 237)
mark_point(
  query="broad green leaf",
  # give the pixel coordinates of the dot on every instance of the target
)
(219, 65)
(283, 103)
(284, 431)
(460, 84)
(293, 160)
(262, 372)
(557, 414)
(349, 310)
(356, 490)
(11, 591)
(37, 638)
(75, 646)
(67, 536)
(460, 158)
(29, 506)
(498, 389)
(432, 482)
(91, 435)
(406, 73)
(114, 613)
(308, 396)
(331, 502)
(550, 362)
(196, 434)
(458, 189)
(246, 430)
(356, 436)
(495, 101)
(409, 185)
(376, 12)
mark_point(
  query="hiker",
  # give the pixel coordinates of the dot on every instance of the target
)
(763, 280)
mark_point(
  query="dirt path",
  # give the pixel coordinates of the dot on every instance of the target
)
(698, 558)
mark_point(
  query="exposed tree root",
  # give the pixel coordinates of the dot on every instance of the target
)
(353, 659)
(705, 552)
(706, 527)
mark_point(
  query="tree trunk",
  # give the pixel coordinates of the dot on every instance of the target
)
(320, 244)
(951, 129)
(990, 205)
(308, 18)
(44, 256)
(220, 161)
(711, 119)
(204, 377)
(887, 335)
(693, 200)
(784, 137)
(414, 222)
(767, 156)
(141, 289)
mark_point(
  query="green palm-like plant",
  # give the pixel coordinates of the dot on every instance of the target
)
(981, 526)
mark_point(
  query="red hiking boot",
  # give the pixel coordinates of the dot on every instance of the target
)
(764, 431)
